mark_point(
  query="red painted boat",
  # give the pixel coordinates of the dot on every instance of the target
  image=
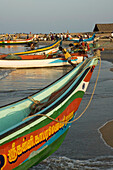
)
(34, 57)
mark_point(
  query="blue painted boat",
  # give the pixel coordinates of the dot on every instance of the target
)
(76, 40)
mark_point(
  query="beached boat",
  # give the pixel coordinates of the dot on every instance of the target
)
(49, 49)
(89, 40)
(43, 56)
(33, 128)
(37, 62)
(16, 42)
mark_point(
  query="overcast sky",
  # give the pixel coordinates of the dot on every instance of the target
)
(43, 16)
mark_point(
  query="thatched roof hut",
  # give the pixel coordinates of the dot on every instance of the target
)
(103, 28)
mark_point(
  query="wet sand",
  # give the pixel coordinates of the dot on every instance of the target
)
(108, 56)
(107, 129)
(107, 133)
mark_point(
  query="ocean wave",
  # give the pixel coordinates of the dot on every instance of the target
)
(64, 163)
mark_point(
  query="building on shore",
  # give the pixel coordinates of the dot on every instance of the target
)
(103, 28)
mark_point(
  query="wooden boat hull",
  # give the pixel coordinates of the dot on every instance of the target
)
(37, 63)
(52, 48)
(16, 42)
(25, 142)
(44, 153)
(37, 57)
(89, 40)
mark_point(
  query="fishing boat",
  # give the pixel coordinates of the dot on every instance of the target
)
(33, 128)
(89, 40)
(49, 49)
(37, 61)
(16, 42)
(42, 56)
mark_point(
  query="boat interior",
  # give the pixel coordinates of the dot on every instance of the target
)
(15, 113)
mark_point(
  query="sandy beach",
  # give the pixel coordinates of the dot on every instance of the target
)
(107, 129)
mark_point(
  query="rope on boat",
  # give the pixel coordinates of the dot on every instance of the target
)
(33, 100)
(34, 105)
(66, 122)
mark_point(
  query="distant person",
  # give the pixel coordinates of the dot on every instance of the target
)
(81, 39)
(61, 36)
(56, 37)
(34, 37)
(32, 46)
(37, 37)
(70, 49)
(82, 48)
(87, 35)
(45, 37)
(27, 36)
(67, 36)
(52, 37)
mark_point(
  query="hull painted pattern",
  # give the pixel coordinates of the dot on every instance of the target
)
(42, 50)
(91, 39)
(26, 147)
(37, 63)
(16, 42)
(22, 150)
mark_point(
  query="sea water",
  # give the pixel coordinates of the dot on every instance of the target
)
(83, 147)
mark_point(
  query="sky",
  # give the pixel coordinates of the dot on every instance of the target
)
(44, 16)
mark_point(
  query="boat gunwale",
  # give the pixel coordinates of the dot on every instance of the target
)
(84, 40)
(48, 109)
(41, 49)
(37, 91)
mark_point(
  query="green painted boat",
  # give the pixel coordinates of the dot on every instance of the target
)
(33, 128)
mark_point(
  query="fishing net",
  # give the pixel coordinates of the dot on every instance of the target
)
(12, 57)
